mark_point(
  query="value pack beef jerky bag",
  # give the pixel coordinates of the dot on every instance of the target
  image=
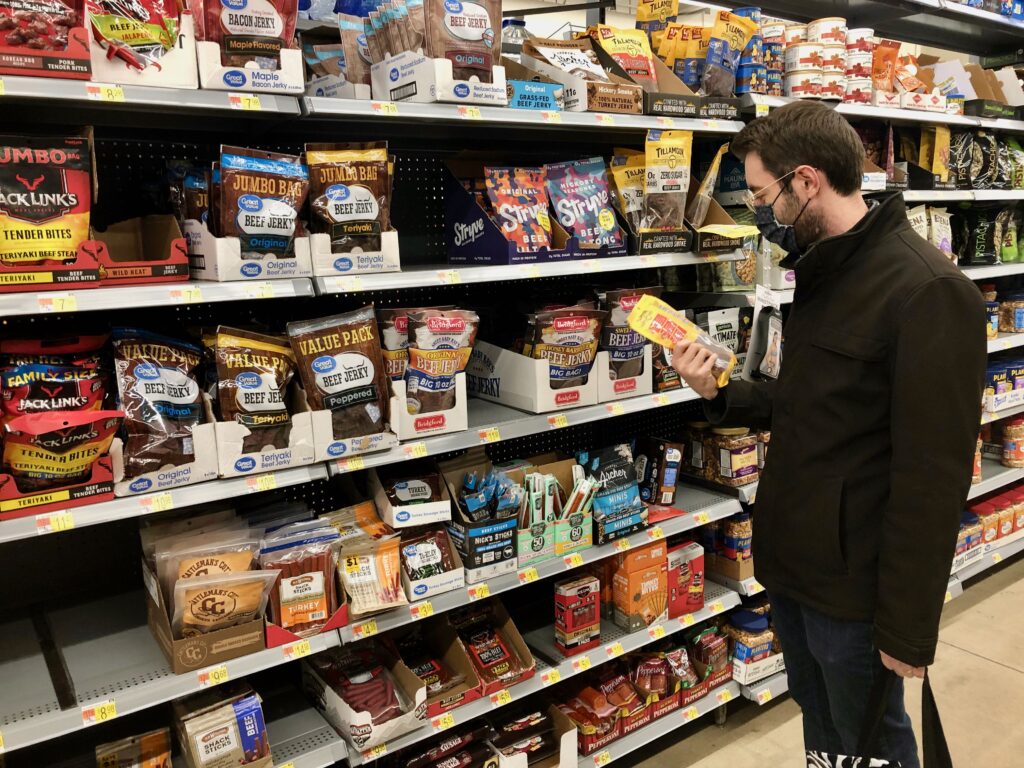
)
(567, 338)
(158, 386)
(520, 205)
(261, 196)
(350, 194)
(253, 374)
(440, 343)
(465, 33)
(668, 179)
(45, 198)
(625, 347)
(248, 30)
(579, 193)
(342, 370)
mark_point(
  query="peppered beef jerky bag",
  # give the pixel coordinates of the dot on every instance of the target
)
(158, 384)
(350, 194)
(45, 198)
(50, 450)
(253, 373)
(261, 196)
(567, 338)
(579, 193)
(440, 343)
(394, 338)
(625, 347)
(342, 370)
(464, 32)
(247, 30)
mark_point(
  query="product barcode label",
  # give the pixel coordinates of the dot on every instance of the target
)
(403, 91)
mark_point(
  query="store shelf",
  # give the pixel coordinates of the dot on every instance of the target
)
(150, 503)
(745, 493)
(992, 555)
(988, 272)
(1006, 341)
(444, 274)
(987, 417)
(700, 507)
(643, 736)
(999, 194)
(994, 476)
(765, 690)
(301, 738)
(747, 587)
(938, 195)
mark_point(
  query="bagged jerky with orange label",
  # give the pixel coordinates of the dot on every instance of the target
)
(394, 338)
(567, 338)
(631, 50)
(440, 343)
(521, 205)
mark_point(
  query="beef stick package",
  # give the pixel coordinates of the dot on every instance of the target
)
(350, 194)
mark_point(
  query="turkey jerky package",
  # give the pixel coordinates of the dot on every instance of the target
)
(567, 338)
(247, 30)
(625, 347)
(45, 196)
(342, 370)
(579, 193)
(394, 338)
(261, 196)
(465, 32)
(158, 386)
(520, 204)
(440, 343)
(668, 179)
(253, 374)
(350, 194)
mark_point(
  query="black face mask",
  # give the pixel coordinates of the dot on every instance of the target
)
(783, 235)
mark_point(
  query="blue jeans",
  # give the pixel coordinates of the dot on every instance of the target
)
(831, 665)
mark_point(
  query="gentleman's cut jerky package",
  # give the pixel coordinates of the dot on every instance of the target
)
(350, 194)
(206, 604)
(625, 347)
(261, 196)
(668, 179)
(576, 57)
(579, 193)
(342, 370)
(440, 343)
(465, 32)
(521, 206)
(253, 374)
(139, 33)
(45, 197)
(567, 338)
(631, 50)
(247, 30)
(729, 37)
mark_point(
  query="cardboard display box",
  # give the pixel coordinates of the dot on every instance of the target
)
(177, 68)
(328, 448)
(444, 644)
(530, 90)
(328, 264)
(640, 587)
(921, 178)
(590, 741)
(233, 462)
(536, 543)
(685, 579)
(737, 570)
(746, 674)
(577, 614)
(410, 515)
(220, 258)
(565, 735)
(97, 488)
(84, 272)
(575, 532)
(150, 249)
(287, 79)
(610, 389)
(414, 77)
(336, 87)
(504, 624)
(620, 95)
(411, 426)
(718, 233)
(422, 589)
(671, 97)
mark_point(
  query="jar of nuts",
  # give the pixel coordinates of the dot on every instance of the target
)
(732, 456)
(1013, 442)
(694, 437)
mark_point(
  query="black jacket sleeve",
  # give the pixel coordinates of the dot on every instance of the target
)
(938, 370)
(742, 404)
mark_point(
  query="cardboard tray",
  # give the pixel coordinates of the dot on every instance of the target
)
(84, 272)
(571, 534)
(176, 69)
(671, 97)
(565, 735)
(232, 462)
(609, 389)
(98, 488)
(277, 636)
(449, 581)
(335, 87)
(411, 514)
(414, 77)
(220, 258)
(150, 249)
(328, 264)
(504, 624)
(288, 79)
(745, 674)
(737, 570)
(70, 64)
(444, 644)
(620, 95)
(411, 426)
(530, 90)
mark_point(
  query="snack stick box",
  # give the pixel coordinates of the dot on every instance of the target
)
(577, 614)
(610, 388)
(220, 258)
(531, 90)
(685, 579)
(575, 532)
(746, 674)
(411, 76)
(641, 595)
(288, 78)
(177, 68)
(329, 264)
(444, 644)
(409, 426)
(535, 543)
(414, 513)
(504, 624)
(234, 461)
(566, 736)
(619, 94)
(150, 249)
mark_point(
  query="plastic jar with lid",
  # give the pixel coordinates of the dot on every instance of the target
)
(988, 291)
(694, 439)
(1011, 313)
(992, 327)
(737, 534)
(750, 637)
(732, 456)
(1013, 442)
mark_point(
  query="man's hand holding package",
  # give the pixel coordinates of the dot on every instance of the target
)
(693, 363)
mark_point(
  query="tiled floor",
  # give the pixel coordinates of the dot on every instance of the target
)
(978, 679)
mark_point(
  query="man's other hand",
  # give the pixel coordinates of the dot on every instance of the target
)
(901, 669)
(694, 363)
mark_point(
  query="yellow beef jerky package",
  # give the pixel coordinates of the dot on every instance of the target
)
(629, 179)
(631, 50)
(668, 179)
(729, 36)
(653, 15)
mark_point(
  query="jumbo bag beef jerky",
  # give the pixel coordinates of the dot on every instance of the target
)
(342, 370)
(247, 30)
(253, 374)
(350, 194)
(261, 196)
(157, 380)
(625, 347)
(45, 198)
(465, 33)
(440, 343)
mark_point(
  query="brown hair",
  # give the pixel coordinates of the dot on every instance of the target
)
(805, 133)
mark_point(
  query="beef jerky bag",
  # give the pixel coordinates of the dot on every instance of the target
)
(45, 198)
(158, 385)
(38, 388)
(253, 374)
(261, 196)
(668, 179)
(440, 343)
(355, 46)
(197, 196)
(521, 206)
(139, 33)
(350, 194)
(729, 36)
(631, 50)
(248, 30)
(342, 370)
(567, 338)
(465, 33)
(579, 194)
(394, 338)
(630, 178)
(625, 347)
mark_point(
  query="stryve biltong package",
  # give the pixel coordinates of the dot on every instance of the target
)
(578, 191)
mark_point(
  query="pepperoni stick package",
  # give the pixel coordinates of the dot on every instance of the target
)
(521, 205)
(247, 30)
(304, 596)
(492, 654)
(579, 194)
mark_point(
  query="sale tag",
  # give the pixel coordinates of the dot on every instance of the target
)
(379, 751)
(159, 502)
(2, 91)
(57, 302)
(602, 758)
(622, 545)
(99, 713)
(662, 399)
(260, 290)
(558, 421)
(603, 119)
(547, 116)
(351, 464)
(760, 110)
(213, 676)
(530, 270)
(55, 522)
(997, 558)
(188, 294)
(700, 518)
(250, 102)
(575, 560)
(686, 620)
(421, 610)
(470, 113)
(656, 632)
(724, 696)
(551, 677)
(489, 435)
(666, 122)
(655, 533)
(716, 607)
(287, 765)
(501, 698)
(479, 591)
(366, 629)
(384, 107)
(297, 650)
(443, 723)
(104, 92)
(764, 696)
(582, 664)
(416, 450)
(261, 483)
(613, 650)
(528, 575)
(690, 713)
(449, 276)
(616, 409)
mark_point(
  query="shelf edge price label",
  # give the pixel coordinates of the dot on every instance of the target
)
(655, 533)
(188, 294)
(558, 421)
(616, 409)
(286, 765)
(656, 632)
(213, 676)
(764, 696)
(760, 110)
(261, 483)
(99, 712)
(366, 629)
(551, 677)
(489, 435)
(2, 747)
(575, 560)
(622, 545)
(372, 754)
(604, 119)
(2, 91)
(711, 125)
(997, 557)
(384, 107)
(159, 502)
(528, 575)
(716, 607)
(686, 620)
(249, 102)
(949, 596)
(443, 722)
(755, 587)
(479, 591)
(351, 464)
(449, 276)
(602, 758)
(701, 518)
(582, 664)
(352, 284)
(724, 696)
(297, 650)
(547, 116)
(416, 450)
(263, 290)
(666, 122)
(470, 113)
(662, 399)
(104, 92)
(690, 713)
(421, 610)
(55, 522)
(57, 302)
(501, 698)
(614, 650)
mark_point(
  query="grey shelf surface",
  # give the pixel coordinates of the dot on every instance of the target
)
(302, 738)
(986, 272)
(987, 417)
(765, 690)
(1006, 341)
(746, 587)
(992, 554)
(993, 477)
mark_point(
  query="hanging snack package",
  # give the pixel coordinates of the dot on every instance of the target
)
(371, 572)
(625, 347)
(614, 468)
(883, 66)
(668, 179)
(579, 193)
(248, 31)
(355, 47)
(147, 750)
(493, 656)
(698, 208)
(440, 343)
(139, 33)
(342, 370)
(465, 33)
(655, 320)
(567, 339)
(158, 385)
(261, 196)
(253, 374)
(209, 603)
(521, 206)
(577, 57)
(305, 594)
(630, 179)
(729, 36)
(350, 194)
(631, 50)
(45, 196)
(654, 15)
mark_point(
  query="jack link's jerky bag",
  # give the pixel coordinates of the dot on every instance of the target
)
(579, 194)
(247, 30)
(729, 36)
(631, 50)
(45, 198)
(567, 338)
(521, 206)
(625, 347)
(668, 179)
(440, 343)
(253, 374)
(465, 32)
(158, 384)
(350, 194)
(342, 370)
(261, 196)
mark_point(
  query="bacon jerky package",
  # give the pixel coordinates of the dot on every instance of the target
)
(248, 30)
(350, 194)
(253, 374)
(625, 347)
(342, 370)
(55, 449)
(494, 657)
(394, 337)
(520, 204)
(261, 196)
(579, 194)
(567, 338)
(465, 32)
(139, 32)
(440, 343)
(38, 25)
(45, 197)
(158, 385)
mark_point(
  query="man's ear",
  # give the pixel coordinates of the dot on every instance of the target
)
(808, 178)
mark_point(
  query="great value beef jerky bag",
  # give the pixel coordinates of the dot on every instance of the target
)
(45, 198)
(261, 196)
(355, 46)
(668, 179)
(158, 384)
(350, 194)
(625, 347)
(248, 30)
(253, 374)
(579, 194)
(440, 343)
(342, 370)
(465, 33)
(567, 338)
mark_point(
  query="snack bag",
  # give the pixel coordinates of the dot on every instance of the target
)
(139, 33)
(521, 205)
(253, 31)
(883, 65)
(625, 346)
(630, 180)
(356, 53)
(567, 339)
(654, 15)
(656, 321)
(631, 50)
(350, 194)
(394, 338)
(576, 57)
(698, 208)
(147, 750)
(371, 574)
(464, 32)
(32, 25)
(209, 603)
(729, 37)
(579, 194)
(40, 387)
(440, 343)
(668, 179)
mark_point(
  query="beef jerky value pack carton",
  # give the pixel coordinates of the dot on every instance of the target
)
(175, 67)
(588, 86)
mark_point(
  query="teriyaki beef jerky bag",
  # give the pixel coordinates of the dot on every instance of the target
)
(261, 196)
(579, 193)
(440, 343)
(248, 30)
(350, 194)
(158, 385)
(465, 32)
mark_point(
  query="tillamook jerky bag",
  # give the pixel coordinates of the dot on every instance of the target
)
(248, 30)
(567, 339)
(342, 370)
(579, 194)
(465, 33)
(350, 194)
(729, 36)
(158, 384)
(631, 50)
(668, 179)
(261, 196)
(45, 198)
(440, 343)
(521, 206)
(630, 179)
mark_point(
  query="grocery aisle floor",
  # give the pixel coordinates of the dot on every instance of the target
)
(978, 680)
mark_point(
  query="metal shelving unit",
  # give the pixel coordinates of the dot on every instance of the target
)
(1006, 341)
(989, 416)
(994, 476)
(765, 690)
(302, 738)
(991, 555)
(987, 272)
(747, 587)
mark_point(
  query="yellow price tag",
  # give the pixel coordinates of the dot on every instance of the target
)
(530, 270)
(716, 607)
(479, 591)
(351, 464)
(287, 765)
(662, 399)
(622, 545)
(55, 522)
(449, 276)
(701, 518)
(250, 102)
(551, 677)
(558, 421)
(690, 713)
(489, 435)
(666, 122)
(99, 713)
(613, 650)
(443, 723)
(57, 302)
(297, 650)
(384, 107)
(352, 284)
(528, 575)
(366, 629)
(1, 732)
(997, 557)
(261, 483)
(582, 664)
(213, 676)
(655, 533)
(724, 696)
(159, 502)
(501, 698)
(470, 113)
(711, 125)
(602, 758)
(616, 409)
(949, 596)
(755, 587)
(760, 110)
(656, 632)
(575, 560)
(604, 119)
(764, 696)
(188, 294)
(264, 290)
(421, 610)
(104, 92)
(549, 116)
(379, 751)
(1, 94)
(687, 620)
(416, 450)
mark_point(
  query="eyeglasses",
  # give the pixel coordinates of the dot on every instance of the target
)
(750, 197)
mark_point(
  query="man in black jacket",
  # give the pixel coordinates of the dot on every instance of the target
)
(874, 422)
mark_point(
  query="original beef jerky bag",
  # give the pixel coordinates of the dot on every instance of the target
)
(465, 33)
(158, 385)
(440, 343)
(342, 370)
(350, 194)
